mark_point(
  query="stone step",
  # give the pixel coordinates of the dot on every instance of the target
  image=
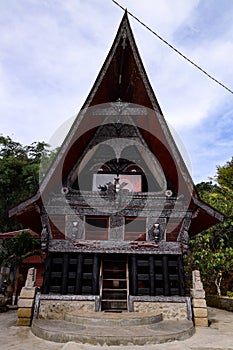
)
(114, 304)
(64, 331)
(113, 319)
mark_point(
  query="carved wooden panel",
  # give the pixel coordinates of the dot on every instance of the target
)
(116, 227)
(75, 227)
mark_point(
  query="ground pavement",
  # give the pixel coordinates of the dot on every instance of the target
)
(219, 335)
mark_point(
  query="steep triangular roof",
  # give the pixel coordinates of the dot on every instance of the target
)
(122, 78)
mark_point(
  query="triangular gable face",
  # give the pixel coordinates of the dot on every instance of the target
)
(123, 75)
(122, 79)
(120, 139)
(117, 150)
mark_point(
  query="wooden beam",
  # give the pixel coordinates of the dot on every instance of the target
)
(47, 274)
(79, 272)
(181, 275)
(65, 273)
(152, 275)
(166, 287)
(95, 275)
(133, 276)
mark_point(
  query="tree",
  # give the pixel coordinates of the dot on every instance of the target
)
(19, 175)
(214, 265)
(219, 193)
(15, 250)
(211, 251)
(225, 174)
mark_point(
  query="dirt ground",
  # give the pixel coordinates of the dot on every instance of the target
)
(219, 335)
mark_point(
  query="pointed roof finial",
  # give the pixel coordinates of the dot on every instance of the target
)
(125, 9)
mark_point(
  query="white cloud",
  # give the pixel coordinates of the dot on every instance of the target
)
(210, 143)
(52, 51)
(164, 16)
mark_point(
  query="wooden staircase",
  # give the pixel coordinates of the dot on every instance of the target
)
(114, 284)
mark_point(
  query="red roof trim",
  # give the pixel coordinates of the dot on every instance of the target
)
(13, 233)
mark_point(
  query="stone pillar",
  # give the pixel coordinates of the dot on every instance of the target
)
(200, 313)
(26, 300)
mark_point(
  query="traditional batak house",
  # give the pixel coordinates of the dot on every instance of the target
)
(117, 207)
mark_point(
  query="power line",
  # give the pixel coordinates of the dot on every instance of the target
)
(173, 48)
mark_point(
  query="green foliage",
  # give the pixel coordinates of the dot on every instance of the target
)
(212, 251)
(225, 174)
(214, 264)
(13, 251)
(19, 175)
(220, 196)
(229, 294)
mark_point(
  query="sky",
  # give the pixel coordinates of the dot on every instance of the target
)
(52, 50)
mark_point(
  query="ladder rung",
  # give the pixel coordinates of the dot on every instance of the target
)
(115, 289)
(114, 279)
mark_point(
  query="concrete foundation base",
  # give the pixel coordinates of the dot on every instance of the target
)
(113, 329)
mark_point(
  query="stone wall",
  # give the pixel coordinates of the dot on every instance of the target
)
(200, 313)
(26, 299)
(25, 306)
(55, 307)
(172, 308)
(225, 303)
(170, 311)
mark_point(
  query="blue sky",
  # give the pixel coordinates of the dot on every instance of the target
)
(52, 50)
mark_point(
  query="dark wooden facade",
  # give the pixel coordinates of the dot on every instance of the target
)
(117, 207)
